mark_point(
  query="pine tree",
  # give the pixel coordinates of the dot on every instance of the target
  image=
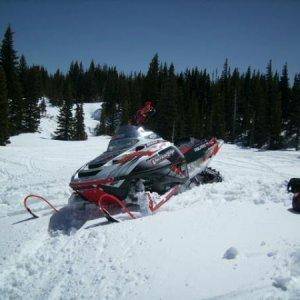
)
(166, 117)
(285, 93)
(31, 100)
(124, 96)
(227, 98)
(43, 108)
(245, 105)
(274, 104)
(78, 131)
(259, 132)
(4, 134)
(65, 118)
(295, 112)
(91, 91)
(22, 70)
(152, 80)
(234, 93)
(57, 88)
(217, 113)
(9, 62)
(75, 76)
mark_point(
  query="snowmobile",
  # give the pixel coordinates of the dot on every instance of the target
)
(137, 174)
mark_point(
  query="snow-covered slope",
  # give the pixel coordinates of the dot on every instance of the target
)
(177, 253)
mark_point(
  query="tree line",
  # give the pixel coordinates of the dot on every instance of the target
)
(252, 108)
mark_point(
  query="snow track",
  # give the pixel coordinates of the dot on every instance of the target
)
(174, 254)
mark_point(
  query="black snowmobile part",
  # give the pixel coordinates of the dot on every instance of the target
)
(108, 216)
(294, 185)
(209, 175)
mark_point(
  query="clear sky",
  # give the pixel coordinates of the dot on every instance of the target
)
(128, 33)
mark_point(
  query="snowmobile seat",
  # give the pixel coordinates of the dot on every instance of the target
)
(188, 143)
(294, 185)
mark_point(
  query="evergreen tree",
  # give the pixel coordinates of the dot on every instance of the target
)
(295, 112)
(75, 75)
(43, 108)
(9, 62)
(78, 132)
(31, 100)
(23, 69)
(227, 98)
(57, 88)
(285, 94)
(124, 95)
(259, 132)
(91, 91)
(217, 113)
(65, 118)
(274, 105)
(152, 80)
(4, 133)
(245, 105)
(166, 115)
(234, 93)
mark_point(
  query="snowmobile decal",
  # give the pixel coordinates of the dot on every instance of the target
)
(161, 157)
(128, 157)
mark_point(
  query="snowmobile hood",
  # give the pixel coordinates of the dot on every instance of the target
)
(126, 137)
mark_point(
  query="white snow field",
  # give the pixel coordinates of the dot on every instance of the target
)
(231, 240)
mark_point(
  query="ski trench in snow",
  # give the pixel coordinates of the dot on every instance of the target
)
(176, 253)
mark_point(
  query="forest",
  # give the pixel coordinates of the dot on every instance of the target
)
(253, 108)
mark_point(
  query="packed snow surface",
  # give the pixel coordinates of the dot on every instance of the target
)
(177, 253)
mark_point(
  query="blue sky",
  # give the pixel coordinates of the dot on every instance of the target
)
(128, 33)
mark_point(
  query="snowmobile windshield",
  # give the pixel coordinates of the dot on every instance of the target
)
(120, 144)
(131, 131)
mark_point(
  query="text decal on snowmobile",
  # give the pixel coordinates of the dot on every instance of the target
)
(159, 158)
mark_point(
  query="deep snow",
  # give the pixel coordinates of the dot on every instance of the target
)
(176, 253)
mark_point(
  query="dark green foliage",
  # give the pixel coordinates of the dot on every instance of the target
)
(285, 95)
(43, 108)
(254, 109)
(78, 131)
(274, 108)
(4, 134)
(56, 88)
(166, 116)
(295, 113)
(65, 122)
(32, 93)
(258, 134)
(9, 62)
(236, 107)
(152, 88)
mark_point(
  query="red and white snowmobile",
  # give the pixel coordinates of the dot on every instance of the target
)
(137, 174)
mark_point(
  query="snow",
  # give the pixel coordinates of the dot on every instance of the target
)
(281, 282)
(174, 254)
